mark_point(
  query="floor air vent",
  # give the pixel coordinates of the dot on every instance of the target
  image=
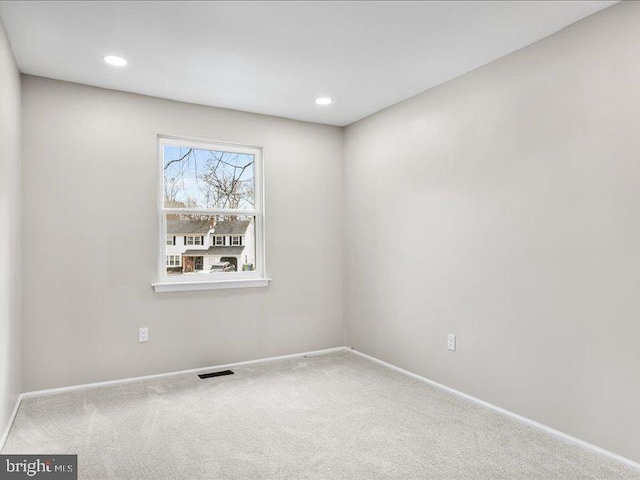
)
(216, 374)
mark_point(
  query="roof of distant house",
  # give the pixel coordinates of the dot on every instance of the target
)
(190, 227)
(231, 227)
(214, 251)
(178, 226)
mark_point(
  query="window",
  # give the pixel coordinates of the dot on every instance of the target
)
(215, 190)
(193, 240)
(174, 260)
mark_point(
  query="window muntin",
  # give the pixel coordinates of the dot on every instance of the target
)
(216, 184)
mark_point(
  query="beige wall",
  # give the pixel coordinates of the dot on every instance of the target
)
(515, 187)
(90, 233)
(520, 185)
(10, 341)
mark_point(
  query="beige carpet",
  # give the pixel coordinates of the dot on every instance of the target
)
(334, 416)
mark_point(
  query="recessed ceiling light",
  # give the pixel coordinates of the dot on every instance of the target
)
(115, 61)
(323, 101)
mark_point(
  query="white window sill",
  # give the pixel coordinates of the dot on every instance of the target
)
(168, 286)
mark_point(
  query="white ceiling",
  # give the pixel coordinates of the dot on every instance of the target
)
(277, 57)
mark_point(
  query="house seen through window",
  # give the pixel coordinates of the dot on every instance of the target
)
(211, 213)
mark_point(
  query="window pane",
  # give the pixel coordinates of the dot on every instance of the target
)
(195, 178)
(211, 258)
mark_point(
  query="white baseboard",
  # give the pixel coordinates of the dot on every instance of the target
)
(53, 391)
(552, 431)
(520, 418)
(5, 435)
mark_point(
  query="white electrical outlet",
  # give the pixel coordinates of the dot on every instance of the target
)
(143, 334)
(451, 342)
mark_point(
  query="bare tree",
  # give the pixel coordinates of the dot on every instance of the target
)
(174, 178)
(222, 180)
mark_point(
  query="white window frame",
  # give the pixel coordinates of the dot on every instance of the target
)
(192, 239)
(176, 257)
(215, 240)
(240, 279)
(235, 238)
